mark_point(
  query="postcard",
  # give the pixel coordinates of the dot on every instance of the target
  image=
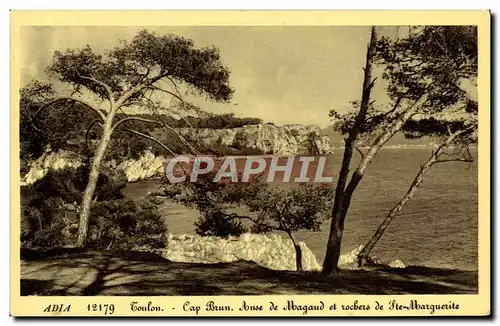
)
(250, 163)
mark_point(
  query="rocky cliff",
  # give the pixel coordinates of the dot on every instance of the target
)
(145, 167)
(268, 138)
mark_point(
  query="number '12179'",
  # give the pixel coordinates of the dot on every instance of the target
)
(108, 309)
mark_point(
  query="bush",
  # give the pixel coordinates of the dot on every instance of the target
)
(124, 225)
(216, 223)
(50, 213)
(286, 209)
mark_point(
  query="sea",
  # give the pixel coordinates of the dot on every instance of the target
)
(438, 227)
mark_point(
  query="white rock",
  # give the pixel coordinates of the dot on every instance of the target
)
(350, 259)
(268, 250)
(56, 161)
(397, 264)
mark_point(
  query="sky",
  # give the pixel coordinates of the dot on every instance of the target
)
(279, 74)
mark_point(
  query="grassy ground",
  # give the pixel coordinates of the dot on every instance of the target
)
(86, 272)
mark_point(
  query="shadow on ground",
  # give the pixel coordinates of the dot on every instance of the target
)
(86, 272)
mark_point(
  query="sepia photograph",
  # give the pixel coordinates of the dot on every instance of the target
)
(291, 161)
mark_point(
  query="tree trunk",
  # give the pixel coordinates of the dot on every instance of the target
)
(342, 202)
(298, 253)
(364, 254)
(93, 178)
(333, 247)
(339, 209)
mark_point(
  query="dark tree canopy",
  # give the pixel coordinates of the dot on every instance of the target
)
(32, 96)
(300, 207)
(303, 207)
(429, 63)
(128, 75)
(431, 57)
(58, 126)
(147, 56)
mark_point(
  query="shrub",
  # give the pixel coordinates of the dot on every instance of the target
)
(50, 213)
(216, 223)
(124, 225)
(287, 209)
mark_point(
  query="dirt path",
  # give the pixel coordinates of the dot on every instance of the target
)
(84, 272)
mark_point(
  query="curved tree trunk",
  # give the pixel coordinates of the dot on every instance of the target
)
(333, 246)
(339, 208)
(88, 195)
(298, 252)
(365, 252)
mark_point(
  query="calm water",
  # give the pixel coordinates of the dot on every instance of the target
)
(438, 227)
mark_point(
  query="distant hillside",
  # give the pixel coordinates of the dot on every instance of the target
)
(265, 138)
(398, 139)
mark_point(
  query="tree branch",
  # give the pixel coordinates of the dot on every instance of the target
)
(87, 133)
(149, 103)
(136, 119)
(65, 98)
(137, 88)
(175, 85)
(394, 107)
(108, 89)
(145, 75)
(372, 83)
(449, 130)
(182, 117)
(233, 216)
(153, 139)
(160, 124)
(455, 160)
(363, 164)
(166, 91)
(153, 106)
(356, 147)
(156, 78)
